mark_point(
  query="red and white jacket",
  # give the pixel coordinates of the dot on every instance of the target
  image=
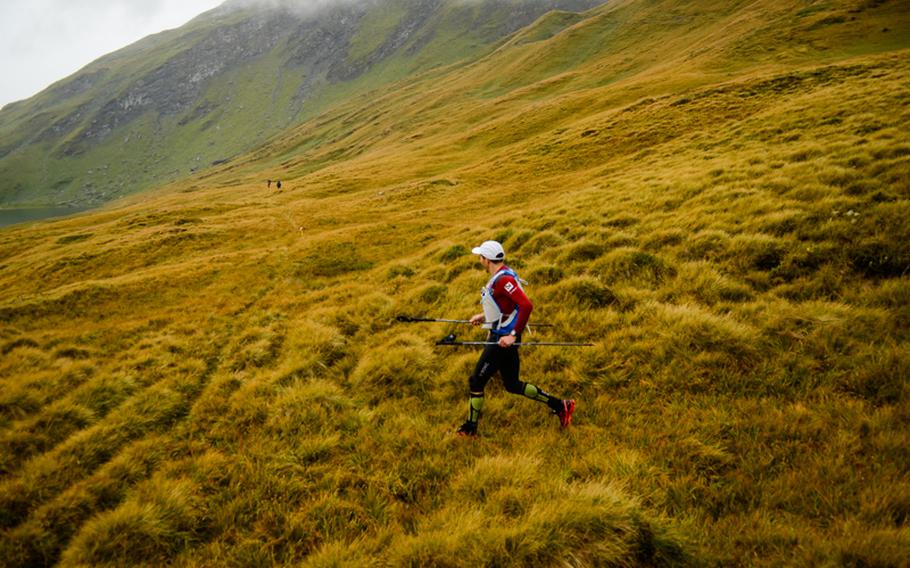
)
(506, 308)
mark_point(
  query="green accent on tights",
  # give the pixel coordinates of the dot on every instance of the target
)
(535, 393)
(476, 407)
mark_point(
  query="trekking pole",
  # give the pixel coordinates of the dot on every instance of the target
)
(409, 319)
(451, 340)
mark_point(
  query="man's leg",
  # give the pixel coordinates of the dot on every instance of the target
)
(510, 367)
(486, 366)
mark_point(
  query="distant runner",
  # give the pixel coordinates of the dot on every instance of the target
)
(506, 310)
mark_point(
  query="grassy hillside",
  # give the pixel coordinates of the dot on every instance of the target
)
(226, 82)
(715, 194)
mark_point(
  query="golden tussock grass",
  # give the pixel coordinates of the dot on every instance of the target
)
(212, 374)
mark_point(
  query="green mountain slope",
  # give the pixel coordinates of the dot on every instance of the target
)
(716, 194)
(224, 83)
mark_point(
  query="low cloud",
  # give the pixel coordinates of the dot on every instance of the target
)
(294, 6)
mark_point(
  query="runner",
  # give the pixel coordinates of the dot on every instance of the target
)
(506, 310)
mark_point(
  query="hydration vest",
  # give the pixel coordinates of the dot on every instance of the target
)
(496, 321)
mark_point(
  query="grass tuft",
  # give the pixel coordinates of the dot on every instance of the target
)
(162, 519)
(583, 292)
(404, 364)
(632, 266)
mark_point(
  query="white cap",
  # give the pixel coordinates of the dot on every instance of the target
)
(490, 250)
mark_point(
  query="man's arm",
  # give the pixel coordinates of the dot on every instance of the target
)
(511, 289)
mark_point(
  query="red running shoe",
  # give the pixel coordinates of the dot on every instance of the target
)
(565, 414)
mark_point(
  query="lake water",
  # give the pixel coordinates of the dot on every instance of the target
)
(15, 216)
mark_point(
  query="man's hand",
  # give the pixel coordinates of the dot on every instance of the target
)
(479, 319)
(506, 340)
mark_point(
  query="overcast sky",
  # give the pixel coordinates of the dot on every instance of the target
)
(43, 41)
